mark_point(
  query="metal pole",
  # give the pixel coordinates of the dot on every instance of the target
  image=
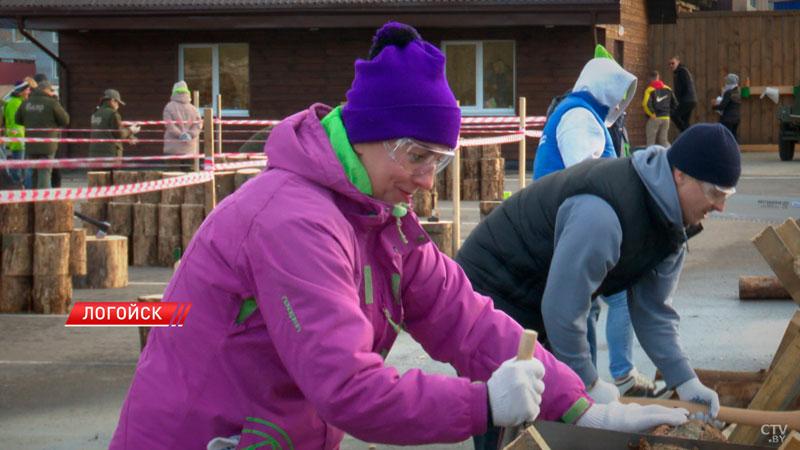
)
(219, 125)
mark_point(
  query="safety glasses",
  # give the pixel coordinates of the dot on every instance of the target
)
(418, 158)
(716, 194)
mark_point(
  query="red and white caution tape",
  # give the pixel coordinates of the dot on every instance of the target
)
(158, 122)
(87, 162)
(502, 119)
(246, 122)
(239, 165)
(490, 140)
(42, 195)
(533, 133)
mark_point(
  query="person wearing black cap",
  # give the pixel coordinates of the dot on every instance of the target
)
(107, 124)
(599, 227)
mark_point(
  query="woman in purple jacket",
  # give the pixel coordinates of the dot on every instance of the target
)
(302, 279)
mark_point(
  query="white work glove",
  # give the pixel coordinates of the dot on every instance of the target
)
(603, 392)
(185, 137)
(631, 417)
(515, 392)
(695, 391)
(134, 128)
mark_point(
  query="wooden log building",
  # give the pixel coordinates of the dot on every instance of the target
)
(270, 59)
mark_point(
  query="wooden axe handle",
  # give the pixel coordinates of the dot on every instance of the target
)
(527, 343)
(752, 417)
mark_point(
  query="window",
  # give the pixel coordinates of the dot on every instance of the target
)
(54, 70)
(213, 69)
(19, 37)
(55, 37)
(481, 75)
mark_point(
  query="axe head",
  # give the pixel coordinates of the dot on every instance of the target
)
(102, 231)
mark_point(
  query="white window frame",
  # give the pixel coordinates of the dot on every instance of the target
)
(55, 37)
(479, 110)
(19, 37)
(54, 69)
(214, 76)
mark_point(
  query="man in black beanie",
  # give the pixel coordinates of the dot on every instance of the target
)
(599, 227)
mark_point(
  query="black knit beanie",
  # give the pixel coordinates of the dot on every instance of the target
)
(707, 152)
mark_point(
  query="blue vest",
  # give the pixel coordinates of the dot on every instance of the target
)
(548, 156)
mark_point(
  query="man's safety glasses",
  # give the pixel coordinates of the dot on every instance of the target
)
(418, 158)
(716, 194)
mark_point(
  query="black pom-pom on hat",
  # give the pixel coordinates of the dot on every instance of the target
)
(392, 33)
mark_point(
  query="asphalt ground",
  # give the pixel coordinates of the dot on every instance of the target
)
(62, 388)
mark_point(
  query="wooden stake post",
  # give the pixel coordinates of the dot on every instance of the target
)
(219, 124)
(209, 154)
(456, 178)
(522, 156)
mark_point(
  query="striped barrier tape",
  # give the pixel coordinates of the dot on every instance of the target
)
(86, 162)
(158, 122)
(84, 140)
(239, 165)
(81, 193)
(246, 122)
(490, 140)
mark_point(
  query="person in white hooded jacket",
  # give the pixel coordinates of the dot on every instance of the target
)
(181, 138)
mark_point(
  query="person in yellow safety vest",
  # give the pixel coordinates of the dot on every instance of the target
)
(16, 150)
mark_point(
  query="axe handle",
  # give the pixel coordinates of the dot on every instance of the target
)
(527, 343)
(752, 417)
(101, 225)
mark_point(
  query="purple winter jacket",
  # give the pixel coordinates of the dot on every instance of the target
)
(307, 365)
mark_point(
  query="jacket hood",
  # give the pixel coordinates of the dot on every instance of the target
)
(610, 84)
(653, 168)
(180, 97)
(658, 84)
(300, 145)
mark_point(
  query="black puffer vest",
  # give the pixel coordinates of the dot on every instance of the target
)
(508, 255)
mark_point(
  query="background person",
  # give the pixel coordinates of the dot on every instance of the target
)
(317, 264)
(730, 104)
(658, 103)
(42, 110)
(600, 227)
(685, 93)
(15, 150)
(181, 138)
(107, 123)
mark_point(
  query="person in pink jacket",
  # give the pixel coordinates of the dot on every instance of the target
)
(302, 279)
(181, 138)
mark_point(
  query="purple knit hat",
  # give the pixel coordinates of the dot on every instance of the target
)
(402, 92)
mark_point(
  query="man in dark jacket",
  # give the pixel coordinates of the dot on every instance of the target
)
(685, 93)
(548, 250)
(42, 110)
(107, 124)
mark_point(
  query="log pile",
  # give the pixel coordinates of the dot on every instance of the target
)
(40, 253)
(482, 175)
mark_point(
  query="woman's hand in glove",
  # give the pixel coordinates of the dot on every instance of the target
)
(515, 392)
(631, 417)
(695, 391)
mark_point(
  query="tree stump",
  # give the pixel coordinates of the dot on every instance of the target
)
(220, 158)
(169, 220)
(167, 246)
(52, 294)
(123, 177)
(470, 168)
(145, 250)
(257, 157)
(423, 203)
(99, 178)
(441, 233)
(442, 185)
(16, 218)
(54, 216)
(77, 252)
(172, 196)
(15, 294)
(120, 216)
(470, 153)
(17, 254)
(145, 219)
(149, 197)
(145, 331)
(191, 218)
(95, 210)
(225, 184)
(491, 151)
(106, 262)
(243, 175)
(470, 189)
(492, 179)
(51, 254)
(195, 194)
